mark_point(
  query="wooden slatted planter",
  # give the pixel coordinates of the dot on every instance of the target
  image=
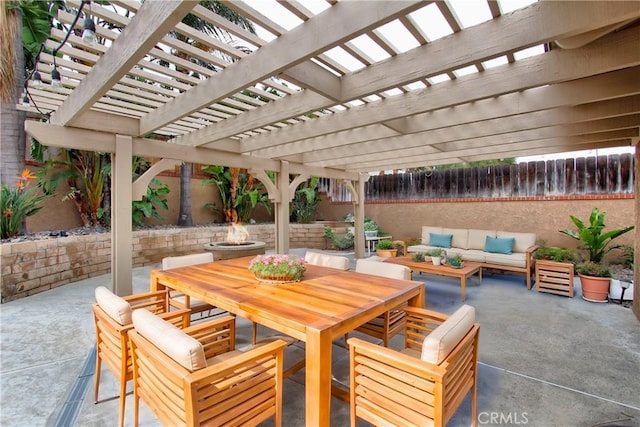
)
(554, 277)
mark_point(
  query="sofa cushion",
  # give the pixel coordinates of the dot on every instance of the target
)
(425, 233)
(460, 237)
(522, 241)
(516, 259)
(440, 240)
(499, 245)
(470, 255)
(477, 238)
(185, 350)
(116, 307)
(443, 339)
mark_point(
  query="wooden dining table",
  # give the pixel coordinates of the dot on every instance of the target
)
(323, 306)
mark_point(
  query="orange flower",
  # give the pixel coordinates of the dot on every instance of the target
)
(26, 175)
(19, 185)
(7, 212)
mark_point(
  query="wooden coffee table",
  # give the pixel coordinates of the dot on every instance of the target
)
(468, 269)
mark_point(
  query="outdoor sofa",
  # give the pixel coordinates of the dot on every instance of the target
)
(496, 249)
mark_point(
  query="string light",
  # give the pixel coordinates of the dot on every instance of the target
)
(89, 32)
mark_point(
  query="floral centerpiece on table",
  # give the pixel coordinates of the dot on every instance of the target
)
(278, 268)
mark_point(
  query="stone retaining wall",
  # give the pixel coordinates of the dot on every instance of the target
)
(30, 267)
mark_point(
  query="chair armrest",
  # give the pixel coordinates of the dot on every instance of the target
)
(396, 359)
(426, 314)
(155, 301)
(273, 349)
(180, 318)
(217, 336)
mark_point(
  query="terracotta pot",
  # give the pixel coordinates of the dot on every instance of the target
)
(387, 253)
(595, 289)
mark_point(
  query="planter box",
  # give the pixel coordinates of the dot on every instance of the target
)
(554, 277)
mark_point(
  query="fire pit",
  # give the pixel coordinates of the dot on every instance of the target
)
(236, 245)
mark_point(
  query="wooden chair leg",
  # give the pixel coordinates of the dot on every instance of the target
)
(254, 333)
(96, 383)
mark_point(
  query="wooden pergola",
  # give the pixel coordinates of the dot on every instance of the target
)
(288, 105)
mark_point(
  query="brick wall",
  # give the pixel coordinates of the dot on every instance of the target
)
(31, 267)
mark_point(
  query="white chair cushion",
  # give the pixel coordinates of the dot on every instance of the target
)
(117, 308)
(522, 241)
(383, 269)
(185, 260)
(443, 339)
(326, 260)
(185, 350)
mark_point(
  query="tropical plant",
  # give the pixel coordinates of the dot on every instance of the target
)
(593, 238)
(148, 206)
(18, 203)
(306, 201)
(20, 42)
(86, 174)
(239, 192)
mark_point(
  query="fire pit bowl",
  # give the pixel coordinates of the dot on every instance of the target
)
(226, 250)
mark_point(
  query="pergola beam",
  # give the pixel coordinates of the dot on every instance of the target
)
(153, 20)
(553, 67)
(340, 23)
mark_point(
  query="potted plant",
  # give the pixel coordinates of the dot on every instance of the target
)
(595, 279)
(417, 257)
(385, 249)
(370, 228)
(438, 256)
(455, 261)
(596, 242)
(554, 270)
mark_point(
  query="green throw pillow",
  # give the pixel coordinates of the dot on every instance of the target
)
(440, 240)
(499, 245)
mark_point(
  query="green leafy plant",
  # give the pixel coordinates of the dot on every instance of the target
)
(455, 261)
(438, 252)
(85, 173)
(595, 269)
(339, 242)
(18, 203)
(593, 238)
(417, 257)
(148, 206)
(306, 202)
(385, 244)
(553, 253)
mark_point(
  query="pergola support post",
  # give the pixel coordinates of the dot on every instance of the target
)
(282, 209)
(359, 214)
(636, 240)
(121, 214)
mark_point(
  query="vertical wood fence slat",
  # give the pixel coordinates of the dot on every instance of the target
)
(614, 174)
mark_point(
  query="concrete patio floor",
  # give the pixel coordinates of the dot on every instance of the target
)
(544, 360)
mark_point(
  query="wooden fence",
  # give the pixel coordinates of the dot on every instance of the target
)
(612, 174)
